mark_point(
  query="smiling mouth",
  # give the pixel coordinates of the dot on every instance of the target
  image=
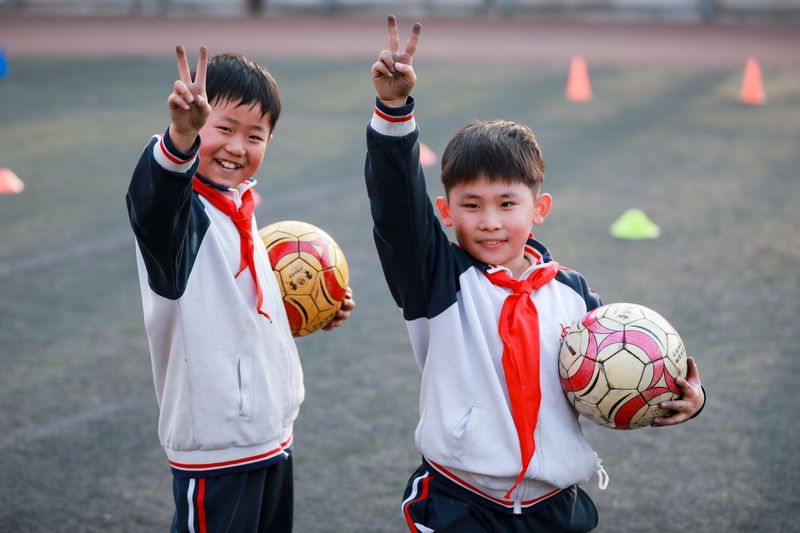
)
(491, 243)
(229, 165)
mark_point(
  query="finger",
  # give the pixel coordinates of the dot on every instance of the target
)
(692, 372)
(669, 420)
(200, 72)
(183, 91)
(386, 57)
(176, 101)
(413, 40)
(335, 323)
(394, 42)
(689, 389)
(675, 406)
(183, 65)
(403, 68)
(379, 70)
(203, 105)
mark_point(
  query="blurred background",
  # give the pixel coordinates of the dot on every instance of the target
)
(687, 110)
(685, 10)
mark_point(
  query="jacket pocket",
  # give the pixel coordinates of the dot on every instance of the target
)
(244, 373)
(463, 434)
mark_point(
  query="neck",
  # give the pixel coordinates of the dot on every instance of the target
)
(517, 267)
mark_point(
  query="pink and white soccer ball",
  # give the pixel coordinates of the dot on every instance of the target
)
(619, 362)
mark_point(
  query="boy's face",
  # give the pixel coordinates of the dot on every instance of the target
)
(233, 142)
(492, 220)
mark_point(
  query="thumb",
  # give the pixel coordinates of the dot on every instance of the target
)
(692, 373)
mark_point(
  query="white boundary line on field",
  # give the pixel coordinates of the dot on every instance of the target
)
(27, 434)
(45, 259)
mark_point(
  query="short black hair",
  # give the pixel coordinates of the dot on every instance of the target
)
(238, 79)
(498, 150)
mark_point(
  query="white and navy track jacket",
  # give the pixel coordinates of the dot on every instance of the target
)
(466, 431)
(228, 380)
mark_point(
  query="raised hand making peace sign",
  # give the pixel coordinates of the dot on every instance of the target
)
(188, 104)
(392, 73)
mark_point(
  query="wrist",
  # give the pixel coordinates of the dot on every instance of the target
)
(183, 141)
(394, 102)
(178, 151)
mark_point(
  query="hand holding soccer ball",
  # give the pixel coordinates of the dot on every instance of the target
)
(624, 366)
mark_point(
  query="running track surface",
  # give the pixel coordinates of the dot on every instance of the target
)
(527, 40)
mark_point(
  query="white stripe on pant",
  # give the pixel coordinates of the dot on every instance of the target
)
(191, 505)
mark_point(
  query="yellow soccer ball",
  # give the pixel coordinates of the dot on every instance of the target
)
(311, 270)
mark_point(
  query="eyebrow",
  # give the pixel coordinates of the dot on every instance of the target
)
(479, 197)
(228, 118)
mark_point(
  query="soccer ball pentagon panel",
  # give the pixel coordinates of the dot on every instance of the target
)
(311, 270)
(619, 362)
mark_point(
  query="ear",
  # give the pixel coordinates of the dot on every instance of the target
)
(444, 211)
(542, 206)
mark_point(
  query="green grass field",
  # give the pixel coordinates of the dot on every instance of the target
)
(78, 445)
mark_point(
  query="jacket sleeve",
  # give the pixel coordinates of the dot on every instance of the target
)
(418, 260)
(166, 220)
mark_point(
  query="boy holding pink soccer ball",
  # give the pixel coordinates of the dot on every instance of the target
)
(502, 447)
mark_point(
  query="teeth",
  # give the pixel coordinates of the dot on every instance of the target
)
(227, 164)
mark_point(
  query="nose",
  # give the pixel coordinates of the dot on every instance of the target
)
(490, 221)
(235, 147)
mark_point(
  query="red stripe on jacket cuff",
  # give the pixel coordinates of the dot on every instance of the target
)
(169, 156)
(390, 118)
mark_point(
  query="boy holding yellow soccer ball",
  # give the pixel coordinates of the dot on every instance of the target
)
(227, 374)
(502, 448)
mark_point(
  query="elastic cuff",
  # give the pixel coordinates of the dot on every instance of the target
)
(172, 159)
(702, 406)
(394, 121)
(186, 156)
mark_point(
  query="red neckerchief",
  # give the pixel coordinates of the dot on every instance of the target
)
(519, 329)
(243, 220)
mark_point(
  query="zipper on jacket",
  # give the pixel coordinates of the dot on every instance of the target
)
(602, 475)
(518, 502)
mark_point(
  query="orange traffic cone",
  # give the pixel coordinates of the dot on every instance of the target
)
(579, 88)
(10, 183)
(426, 156)
(752, 92)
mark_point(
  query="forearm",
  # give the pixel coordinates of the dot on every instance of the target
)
(183, 142)
(412, 246)
(160, 187)
(395, 183)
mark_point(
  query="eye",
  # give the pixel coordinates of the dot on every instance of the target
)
(225, 129)
(471, 207)
(256, 138)
(507, 204)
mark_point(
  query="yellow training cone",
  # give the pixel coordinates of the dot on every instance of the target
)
(634, 224)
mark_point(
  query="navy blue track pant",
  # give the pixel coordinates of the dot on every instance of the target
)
(433, 503)
(258, 500)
